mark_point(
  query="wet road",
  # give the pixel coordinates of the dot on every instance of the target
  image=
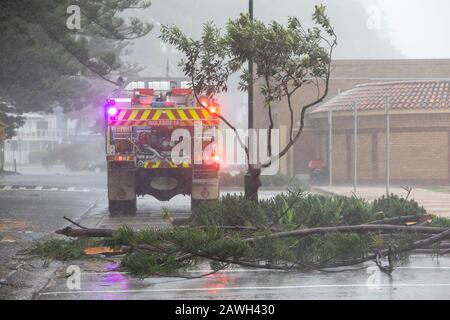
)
(32, 206)
(421, 278)
(30, 212)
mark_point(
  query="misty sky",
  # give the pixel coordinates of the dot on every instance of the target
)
(366, 29)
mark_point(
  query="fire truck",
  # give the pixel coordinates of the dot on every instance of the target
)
(160, 141)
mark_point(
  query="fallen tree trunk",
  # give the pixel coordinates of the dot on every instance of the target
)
(86, 233)
(363, 228)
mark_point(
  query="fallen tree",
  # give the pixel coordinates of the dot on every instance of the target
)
(293, 231)
(366, 228)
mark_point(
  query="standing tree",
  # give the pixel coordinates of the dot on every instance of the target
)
(287, 59)
(46, 61)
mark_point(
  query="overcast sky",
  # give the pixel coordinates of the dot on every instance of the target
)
(366, 29)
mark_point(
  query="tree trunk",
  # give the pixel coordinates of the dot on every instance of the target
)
(252, 182)
(86, 233)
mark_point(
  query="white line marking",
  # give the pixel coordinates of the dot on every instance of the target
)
(444, 268)
(41, 188)
(249, 288)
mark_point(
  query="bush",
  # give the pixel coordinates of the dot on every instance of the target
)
(59, 249)
(230, 210)
(299, 208)
(440, 222)
(394, 206)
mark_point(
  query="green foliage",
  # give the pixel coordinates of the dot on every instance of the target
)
(206, 59)
(209, 242)
(299, 208)
(144, 264)
(44, 63)
(59, 249)
(230, 210)
(395, 205)
(334, 246)
(285, 55)
(125, 236)
(440, 222)
(171, 251)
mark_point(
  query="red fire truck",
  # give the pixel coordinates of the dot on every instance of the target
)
(161, 141)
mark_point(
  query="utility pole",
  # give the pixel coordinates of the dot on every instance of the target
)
(167, 68)
(250, 71)
(355, 135)
(330, 147)
(388, 131)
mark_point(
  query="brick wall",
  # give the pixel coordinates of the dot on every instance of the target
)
(347, 74)
(419, 148)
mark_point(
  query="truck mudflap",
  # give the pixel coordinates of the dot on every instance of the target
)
(121, 185)
(205, 190)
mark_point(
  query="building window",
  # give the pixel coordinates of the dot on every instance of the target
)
(41, 125)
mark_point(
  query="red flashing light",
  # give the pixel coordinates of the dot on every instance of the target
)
(214, 107)
(204, 101)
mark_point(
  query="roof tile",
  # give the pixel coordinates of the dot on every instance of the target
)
(402, 95)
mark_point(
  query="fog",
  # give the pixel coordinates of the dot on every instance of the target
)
(366, 29)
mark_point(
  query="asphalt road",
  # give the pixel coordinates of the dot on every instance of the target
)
(422, 278)
(35, 205)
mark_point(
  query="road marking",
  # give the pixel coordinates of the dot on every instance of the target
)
(249, 288)
(8, 239)
(41, 188)
(15, 225)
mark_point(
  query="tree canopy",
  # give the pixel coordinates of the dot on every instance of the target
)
(287, 58)
(44, 63)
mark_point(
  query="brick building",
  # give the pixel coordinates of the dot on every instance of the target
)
(347, 75)
(419, 132)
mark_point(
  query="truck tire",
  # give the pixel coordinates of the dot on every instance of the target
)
(122, 207)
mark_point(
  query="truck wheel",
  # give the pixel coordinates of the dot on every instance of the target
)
(122, 207)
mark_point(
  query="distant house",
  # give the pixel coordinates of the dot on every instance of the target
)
(39, 133)
(42, 132)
